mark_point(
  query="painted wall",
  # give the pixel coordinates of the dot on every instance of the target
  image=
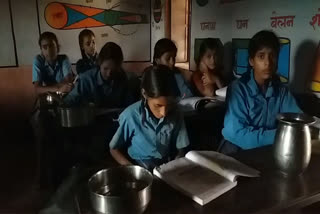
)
(16, 90)
(210, 19)
(303, 37)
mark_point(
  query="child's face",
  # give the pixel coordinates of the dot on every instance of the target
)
(264, 63)
(168, 59)
(109, 68)
(49, 49)
(160, 106)
(89, 45)
(208, 59)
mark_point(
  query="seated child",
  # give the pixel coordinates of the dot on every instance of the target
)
(255, 100)
(207, 77)
(88, 51)
(165, 52)
(51, 72)
(105, 85)
(151, 130)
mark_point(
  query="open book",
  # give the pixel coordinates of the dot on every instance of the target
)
(198, 103)
(203, 175)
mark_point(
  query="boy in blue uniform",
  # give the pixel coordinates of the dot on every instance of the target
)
(165, 52)
(254, 100)
(105, 85)
(152, 130)
(51, 72)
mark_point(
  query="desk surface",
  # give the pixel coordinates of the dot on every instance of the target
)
(270, 193)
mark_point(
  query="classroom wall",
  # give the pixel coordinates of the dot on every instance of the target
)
(16, 90)
(158, 20)
(210, 19)
(303, 37)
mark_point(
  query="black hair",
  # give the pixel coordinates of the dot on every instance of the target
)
(162, 46)
(110, 51)
(50, 37)
(84, 33)
(264, 39)
(159, 80)
(215, 45)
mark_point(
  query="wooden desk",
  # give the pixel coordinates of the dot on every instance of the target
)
(270, 193)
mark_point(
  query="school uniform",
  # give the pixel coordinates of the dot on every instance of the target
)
(47, 74)
(86, 63)
(185, 88)
(250, 119)
(42, 121)
(91, 87)
(149, 141)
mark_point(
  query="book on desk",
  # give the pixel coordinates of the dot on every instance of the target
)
(199, 103)
(203, 175)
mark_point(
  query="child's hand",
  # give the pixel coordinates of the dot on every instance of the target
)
(207, 79)
(65, 87)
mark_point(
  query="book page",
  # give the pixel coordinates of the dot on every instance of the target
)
(192, 103)
(222, 92)
(224, 165)
(197, 182)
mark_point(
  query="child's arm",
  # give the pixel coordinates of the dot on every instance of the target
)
(119, 157)
(181, 137)
(67, 70)
(60, 87)
(120, 139)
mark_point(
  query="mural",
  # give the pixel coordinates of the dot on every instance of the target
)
(241, 58)
(126, 23)
(69, 16)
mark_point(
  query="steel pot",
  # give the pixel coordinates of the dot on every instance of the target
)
(124, 189)
(76, 116)
(292, 145)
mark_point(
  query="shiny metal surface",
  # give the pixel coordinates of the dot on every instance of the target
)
(52, 98)
(124, 189)
(76, 116)
(292, 145)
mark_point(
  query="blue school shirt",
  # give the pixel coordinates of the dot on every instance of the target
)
(250, 119)
(185, 89)
(91, 87)
(146, 137)
(43, 73)
(85, 64)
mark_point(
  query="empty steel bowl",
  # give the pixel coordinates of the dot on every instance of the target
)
(124, 189)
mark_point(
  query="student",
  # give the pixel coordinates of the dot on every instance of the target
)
(88, 51)
(254, 100)
(152, 129)
(51, 72)
(207, 77)
(105, 85)
(165, 52)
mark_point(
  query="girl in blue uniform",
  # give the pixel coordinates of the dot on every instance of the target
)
(151, 131)
(88, 51)
(51, 72)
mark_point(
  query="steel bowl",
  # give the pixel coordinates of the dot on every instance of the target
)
(124, 189)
